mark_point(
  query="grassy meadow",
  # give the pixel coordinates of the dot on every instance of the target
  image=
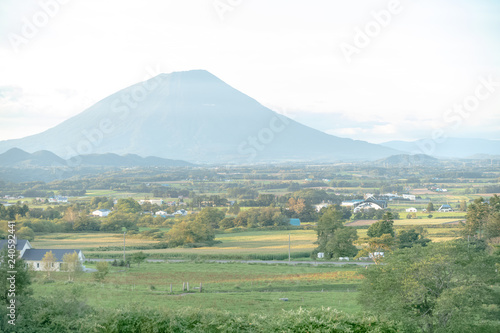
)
(238, 288)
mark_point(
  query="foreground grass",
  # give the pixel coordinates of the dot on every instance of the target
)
(237, 288)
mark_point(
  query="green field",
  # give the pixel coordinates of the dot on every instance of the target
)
(239, 288)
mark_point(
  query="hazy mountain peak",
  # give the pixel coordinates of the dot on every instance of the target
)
(194, 116)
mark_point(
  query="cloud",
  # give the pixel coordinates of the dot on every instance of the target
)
(24, 113)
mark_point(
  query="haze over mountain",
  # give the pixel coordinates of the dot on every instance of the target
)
(192, 116)
(451, 147)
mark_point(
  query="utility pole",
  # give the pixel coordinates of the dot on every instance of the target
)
(288, 247)
(124, 232)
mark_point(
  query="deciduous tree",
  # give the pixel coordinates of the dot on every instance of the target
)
(138, 257)
(435, 288)
(102, 270)
(334, 239)
(72, 265)
(384, 226)
(49, 261)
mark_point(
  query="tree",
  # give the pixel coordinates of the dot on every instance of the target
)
(86, 223)
(71, 214)
(463, 206)
(328, 223)
(476, 218)
(49, 261)
(493, 225)
(26, 233)
(435, 288)
(227, 223)
(211, 216)
(384, 226)
(296, 205)
(376, 246)
(409, 238)
(10, 261)
(341, 244)
(118, 220)
(128, 205)
(334, 239)
(138, 257)
(190, 231)
(430, 207)
(71, 264)
(234, 209)
(102, 270)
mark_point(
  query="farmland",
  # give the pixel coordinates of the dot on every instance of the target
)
(231, 287)
(205, 223)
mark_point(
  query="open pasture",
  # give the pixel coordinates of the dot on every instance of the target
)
(233, 287)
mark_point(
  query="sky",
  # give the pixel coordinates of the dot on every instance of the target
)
(367, 69)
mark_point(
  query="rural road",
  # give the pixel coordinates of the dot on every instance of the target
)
(270, 262)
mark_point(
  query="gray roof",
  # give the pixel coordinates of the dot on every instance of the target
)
(38, 254)
(19, 246)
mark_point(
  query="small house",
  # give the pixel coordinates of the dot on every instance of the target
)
(34, 258)
(411, 210)
(445, 208)
(181, 212)
(101, 212)
(21, 245)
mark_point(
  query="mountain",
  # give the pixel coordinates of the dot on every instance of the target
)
(16, 157)
(451, 147)
(19, 158)
(407, 160)
(192, 116)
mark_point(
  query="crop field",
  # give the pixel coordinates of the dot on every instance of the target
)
(239, 288)
(267, 245)
(84, 240)
(260, 244)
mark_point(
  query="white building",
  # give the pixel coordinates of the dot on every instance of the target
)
(34, 257)
(163, 213)
(181, 212)
(321, 205)
(411, 210)
(445, 208)
(58, 199)
(158, 202)
(409, 197)
(101, 212)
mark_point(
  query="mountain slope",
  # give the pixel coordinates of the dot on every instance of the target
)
(192, 116)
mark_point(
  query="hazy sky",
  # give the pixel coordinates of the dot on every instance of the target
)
(366, 69)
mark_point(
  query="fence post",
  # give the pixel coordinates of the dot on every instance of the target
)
(200, 287)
